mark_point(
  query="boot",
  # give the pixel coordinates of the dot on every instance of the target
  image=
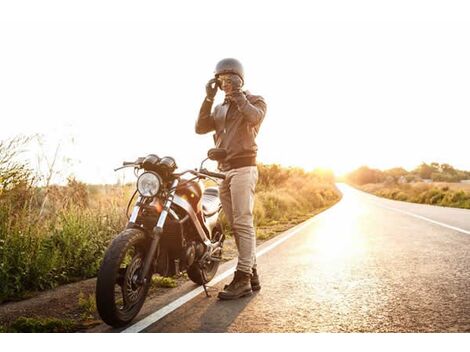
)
(239, 287)
(255, 286)
(254, 280)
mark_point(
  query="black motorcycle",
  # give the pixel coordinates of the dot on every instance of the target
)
(174, 227)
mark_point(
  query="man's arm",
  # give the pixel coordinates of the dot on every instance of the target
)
(205, 122)
(254, 112)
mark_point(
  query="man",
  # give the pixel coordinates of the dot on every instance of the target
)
(236, 123)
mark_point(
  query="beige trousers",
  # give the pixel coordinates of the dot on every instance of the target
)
(237, 193)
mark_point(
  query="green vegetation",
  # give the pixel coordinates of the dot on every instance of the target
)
(37, 325)
(87, 304)
(400, 184)
(57, 234)
(161, 281)
(54, 235)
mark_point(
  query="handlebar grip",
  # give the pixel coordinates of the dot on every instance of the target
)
(139, 161)
(213, 174)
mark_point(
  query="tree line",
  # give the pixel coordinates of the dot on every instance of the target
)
(434, 171)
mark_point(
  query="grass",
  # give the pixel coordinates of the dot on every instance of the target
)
(38, 325)
(455, 186)
(441, 194)
(161, 281)
(87, 304)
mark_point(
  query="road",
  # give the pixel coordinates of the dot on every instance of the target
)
(365, 265)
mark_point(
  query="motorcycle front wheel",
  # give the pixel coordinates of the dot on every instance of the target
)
(119, 297)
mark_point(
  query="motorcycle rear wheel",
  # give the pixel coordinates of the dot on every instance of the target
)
(119, 297)
(203, 274)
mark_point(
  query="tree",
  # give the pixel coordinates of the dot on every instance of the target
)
(365, 175)
(396, 172)
(425, 171)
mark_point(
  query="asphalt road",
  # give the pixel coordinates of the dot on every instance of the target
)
(365, 265)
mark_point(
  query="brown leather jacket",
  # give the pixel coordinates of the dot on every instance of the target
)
(236, 128)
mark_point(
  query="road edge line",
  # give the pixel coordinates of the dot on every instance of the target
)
(458, 229)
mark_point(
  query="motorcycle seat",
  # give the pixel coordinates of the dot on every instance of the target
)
(210, 201)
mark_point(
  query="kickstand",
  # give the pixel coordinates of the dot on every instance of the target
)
(205, 290)
(203, 277)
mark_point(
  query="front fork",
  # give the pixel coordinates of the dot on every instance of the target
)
(156, 235)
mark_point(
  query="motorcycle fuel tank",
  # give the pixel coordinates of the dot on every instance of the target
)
(191, 192)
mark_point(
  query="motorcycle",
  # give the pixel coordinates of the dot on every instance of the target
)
(174, 227)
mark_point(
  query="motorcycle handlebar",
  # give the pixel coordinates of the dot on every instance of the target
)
(205, 172)
(202, 173)
(213, 174)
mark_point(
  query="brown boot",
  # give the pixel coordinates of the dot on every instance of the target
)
(239, 287)
(255, 285)
(254, 280)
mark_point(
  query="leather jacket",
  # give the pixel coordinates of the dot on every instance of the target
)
(236, 127)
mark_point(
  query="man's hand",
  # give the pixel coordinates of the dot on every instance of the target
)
(232, 85)
(211, 89)
(238, 98)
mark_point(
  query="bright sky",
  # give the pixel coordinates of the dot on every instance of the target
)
(345, 85)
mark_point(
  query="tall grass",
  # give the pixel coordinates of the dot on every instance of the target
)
(63, 244)
(58, 234)
(284, 193)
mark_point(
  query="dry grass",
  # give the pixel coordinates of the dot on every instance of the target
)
(456, 195)
(455, 186)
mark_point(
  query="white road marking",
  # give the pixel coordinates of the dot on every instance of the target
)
(162, 312)
(425, 218)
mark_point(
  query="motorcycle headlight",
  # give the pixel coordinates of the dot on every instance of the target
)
(148, 184)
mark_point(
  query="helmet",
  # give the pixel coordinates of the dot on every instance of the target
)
(229, 65)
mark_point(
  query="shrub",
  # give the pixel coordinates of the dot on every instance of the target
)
(422, 193)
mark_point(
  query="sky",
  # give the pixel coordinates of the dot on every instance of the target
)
(345, 87)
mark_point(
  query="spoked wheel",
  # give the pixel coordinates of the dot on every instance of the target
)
(202, 274)
(119, 295)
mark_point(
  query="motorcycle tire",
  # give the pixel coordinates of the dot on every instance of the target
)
(208, 272)
(202, 275)
(116, 277)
